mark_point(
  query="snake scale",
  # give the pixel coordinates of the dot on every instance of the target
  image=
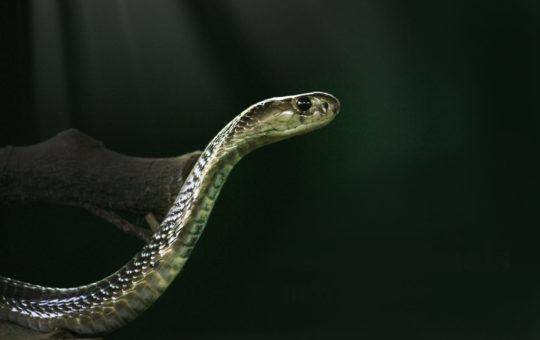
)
(112, 302)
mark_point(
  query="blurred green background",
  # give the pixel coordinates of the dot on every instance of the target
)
(414, 215)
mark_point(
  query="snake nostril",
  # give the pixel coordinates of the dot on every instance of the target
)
(325, 106)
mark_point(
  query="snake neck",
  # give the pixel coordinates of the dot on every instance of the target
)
(194, 202)
(172, 245)
(189, 213)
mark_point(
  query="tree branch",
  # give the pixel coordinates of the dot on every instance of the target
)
(76, 170)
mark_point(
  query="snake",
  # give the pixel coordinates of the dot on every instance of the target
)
(110, 303)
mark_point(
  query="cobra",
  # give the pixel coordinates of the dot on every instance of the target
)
(112, 302)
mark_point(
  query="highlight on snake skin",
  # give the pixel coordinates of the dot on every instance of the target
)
(114, 301)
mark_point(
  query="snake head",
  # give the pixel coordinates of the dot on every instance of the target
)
(279, 118)
(302, 113)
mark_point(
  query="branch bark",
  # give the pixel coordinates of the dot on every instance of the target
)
(76, 170)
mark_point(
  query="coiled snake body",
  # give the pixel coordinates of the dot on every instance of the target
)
(110, 303)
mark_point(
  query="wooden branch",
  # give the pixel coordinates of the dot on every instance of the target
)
(76, 170)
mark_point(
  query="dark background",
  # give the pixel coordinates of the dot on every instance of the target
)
(414, 215)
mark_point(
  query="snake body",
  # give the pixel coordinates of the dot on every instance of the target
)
(112, 302)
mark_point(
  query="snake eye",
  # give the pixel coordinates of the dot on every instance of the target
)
(303, 103)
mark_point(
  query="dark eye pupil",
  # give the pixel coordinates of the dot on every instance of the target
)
(303, 103)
